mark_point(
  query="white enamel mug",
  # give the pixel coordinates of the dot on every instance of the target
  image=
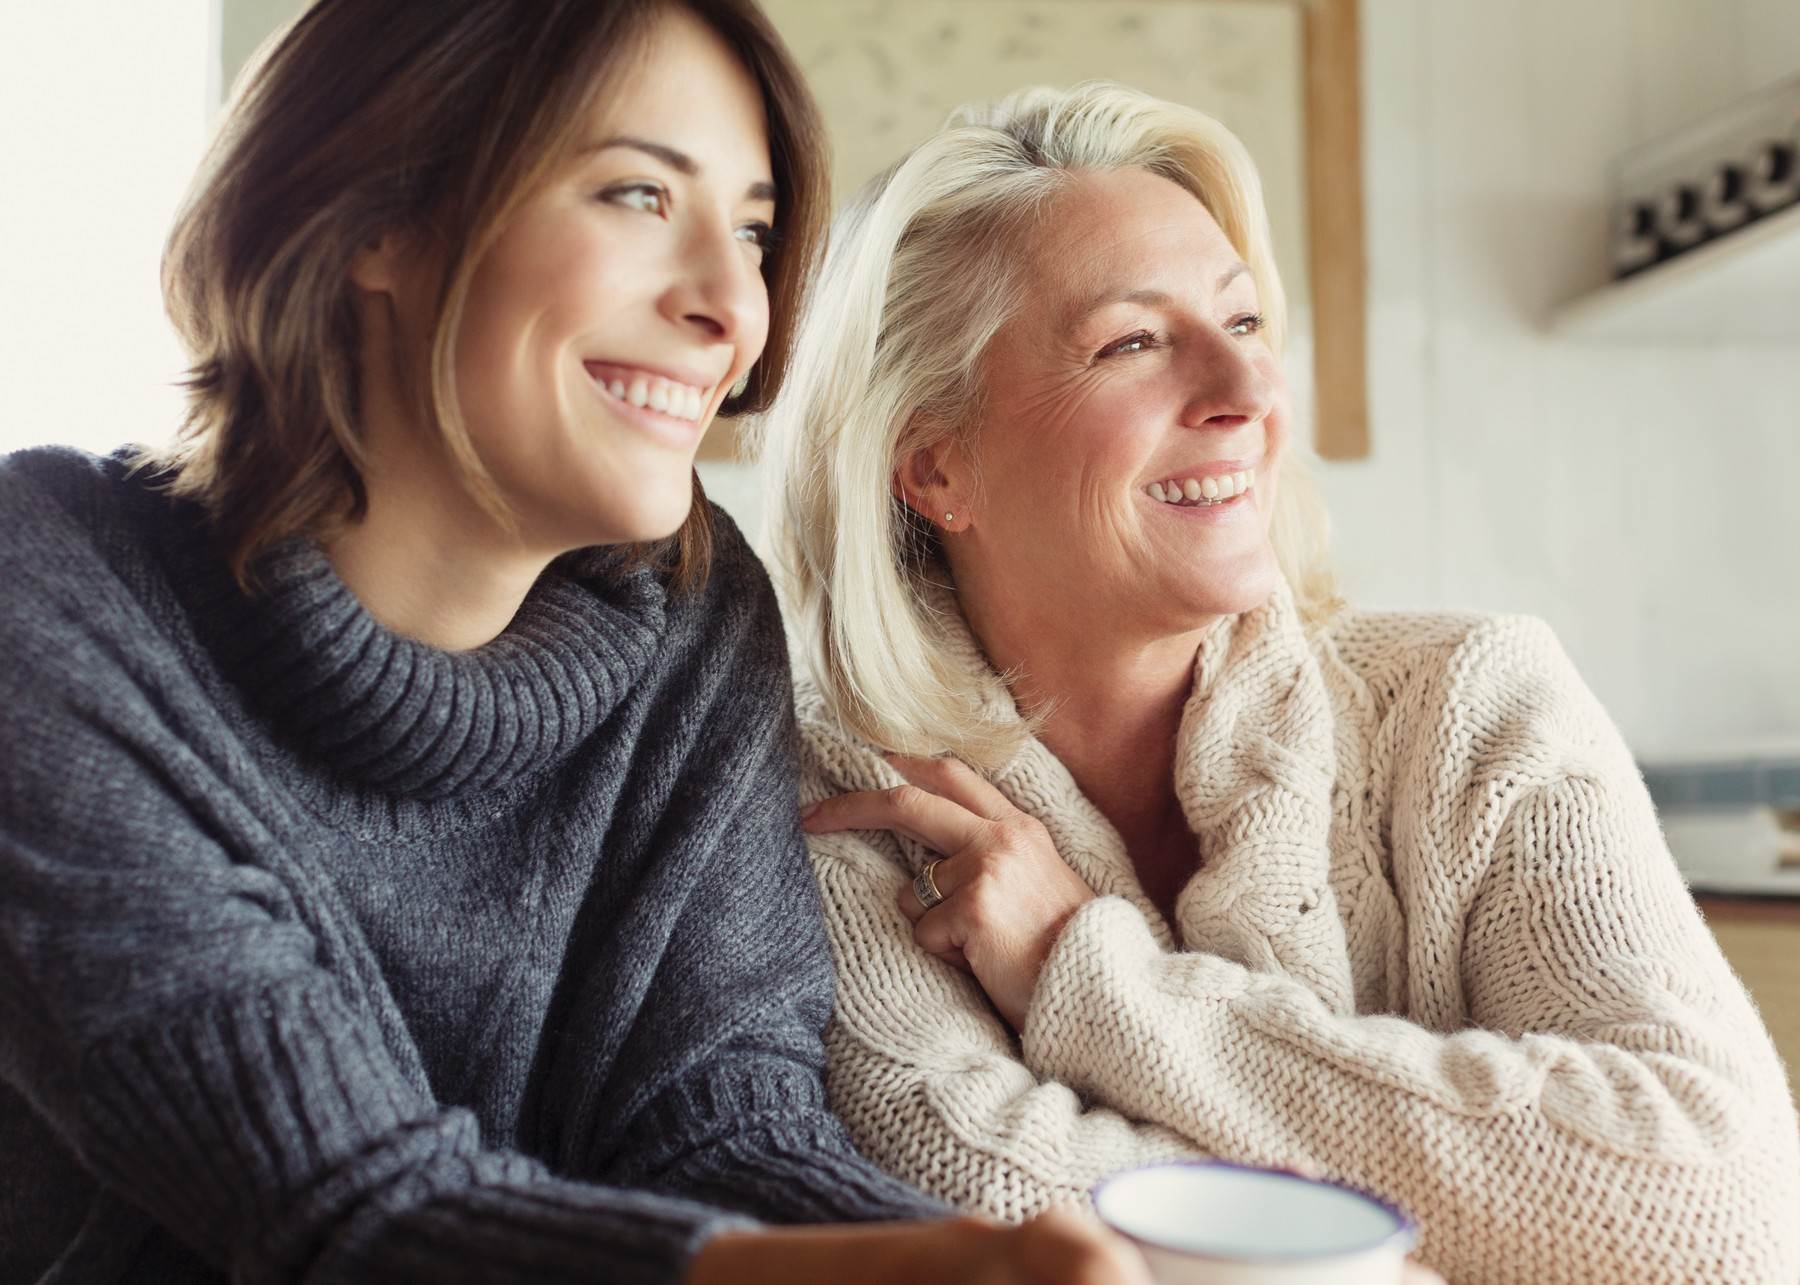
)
(1211, 1223)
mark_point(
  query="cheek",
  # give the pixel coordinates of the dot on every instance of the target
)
(543, 283)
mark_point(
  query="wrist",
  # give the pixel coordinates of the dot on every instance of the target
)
(876, 1253)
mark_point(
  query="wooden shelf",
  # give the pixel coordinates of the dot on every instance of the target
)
(1742, 288)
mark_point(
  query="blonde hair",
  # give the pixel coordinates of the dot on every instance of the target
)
(921, 273)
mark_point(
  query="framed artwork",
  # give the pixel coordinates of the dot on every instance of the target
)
(1281, 74)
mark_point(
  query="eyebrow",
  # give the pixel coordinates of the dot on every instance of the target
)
(678, 161)
(1151, 298)
(1231, 274)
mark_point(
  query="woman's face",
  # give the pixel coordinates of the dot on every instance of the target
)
(615, 312)
(1134, 378)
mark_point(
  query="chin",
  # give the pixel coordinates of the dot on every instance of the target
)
(650, 521)
(1241, 594)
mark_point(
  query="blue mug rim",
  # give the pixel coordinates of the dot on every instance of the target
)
(1405, 1233)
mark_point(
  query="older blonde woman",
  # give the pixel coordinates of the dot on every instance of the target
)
(1134, 842)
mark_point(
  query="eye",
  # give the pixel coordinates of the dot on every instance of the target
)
(1142, 341)
(652, 198)
(1248, 324)
(760, 235)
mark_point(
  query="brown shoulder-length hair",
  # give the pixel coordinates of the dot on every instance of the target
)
(443, 116)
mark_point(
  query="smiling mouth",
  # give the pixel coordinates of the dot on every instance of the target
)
(1206, 492)
(646, 391)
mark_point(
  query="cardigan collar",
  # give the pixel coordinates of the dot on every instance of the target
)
(1254, 769)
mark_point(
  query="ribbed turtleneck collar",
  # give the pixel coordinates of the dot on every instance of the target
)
(394, 714)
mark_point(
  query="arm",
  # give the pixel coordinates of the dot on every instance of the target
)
(929, 1077)
(213, 1058)
(1604, 1106)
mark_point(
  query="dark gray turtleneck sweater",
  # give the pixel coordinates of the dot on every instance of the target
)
(327, 955)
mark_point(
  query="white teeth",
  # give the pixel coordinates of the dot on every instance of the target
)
(678, 401)
(1209, 490)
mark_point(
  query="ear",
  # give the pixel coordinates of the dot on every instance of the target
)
(379, 266)
(937, 483)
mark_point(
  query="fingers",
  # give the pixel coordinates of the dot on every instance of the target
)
(954, 780)
(908, 810)
(935, 931)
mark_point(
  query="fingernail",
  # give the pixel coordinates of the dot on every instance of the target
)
(807, 814)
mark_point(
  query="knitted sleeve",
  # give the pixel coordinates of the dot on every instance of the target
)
(1586, 1093)
(928, 1076)
(210, 1055)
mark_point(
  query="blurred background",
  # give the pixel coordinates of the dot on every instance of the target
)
(1620, 459)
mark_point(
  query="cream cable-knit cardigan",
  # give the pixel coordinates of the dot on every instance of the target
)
(1435, 947)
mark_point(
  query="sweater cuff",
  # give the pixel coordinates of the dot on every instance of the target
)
(1104, 971)
(760, 1138)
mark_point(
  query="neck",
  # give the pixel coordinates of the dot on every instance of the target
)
(1111, 705)
(427, 560)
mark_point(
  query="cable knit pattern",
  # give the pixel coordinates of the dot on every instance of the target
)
(1435, 947)
(327, 956)
(1254, 772)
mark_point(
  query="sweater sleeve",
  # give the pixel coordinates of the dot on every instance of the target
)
(1607, 1109)
(930, 1079)
(210, 1056)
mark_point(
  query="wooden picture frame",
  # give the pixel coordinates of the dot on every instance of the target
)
(1336, 244)
(1334, 233)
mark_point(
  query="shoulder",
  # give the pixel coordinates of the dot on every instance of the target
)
(50, 493)
(833, 759)
(1472, 700)
(85, 648)
(720, 634)
(733, 607)
(74, 547)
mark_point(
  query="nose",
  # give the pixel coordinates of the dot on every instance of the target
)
(1231, 383)
(717, 292)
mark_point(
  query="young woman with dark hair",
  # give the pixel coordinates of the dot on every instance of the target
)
(397, 822)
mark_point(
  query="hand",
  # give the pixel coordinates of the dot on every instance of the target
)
(1007, 894)
(1061, 1247)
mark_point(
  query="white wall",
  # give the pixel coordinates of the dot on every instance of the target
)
(103, 116)
(1645, 501)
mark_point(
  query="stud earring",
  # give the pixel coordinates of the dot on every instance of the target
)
(949, 517)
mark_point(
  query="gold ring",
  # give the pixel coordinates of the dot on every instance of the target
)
(925, 887)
